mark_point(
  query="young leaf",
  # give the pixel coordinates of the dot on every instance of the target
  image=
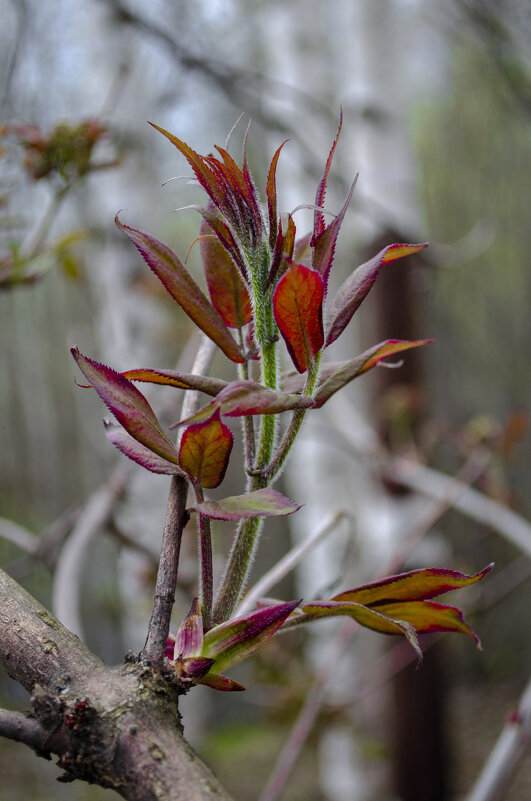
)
(232, 642)
(417, 585)
(356, 288)
(139, 453)
(171, 378)
(318, 219)
(128, 405)
(189, 640)
(193, 668)
(271, 192)
(176, 279)
(336, 376)
(199, 165)
(365, 616)
(223, 683)
(205, 451)
(260, 503)
(297, 306)
(240, 398)
(426, 616)
(228, 292)
(324, 245)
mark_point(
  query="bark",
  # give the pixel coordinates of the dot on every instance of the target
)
(116, 727)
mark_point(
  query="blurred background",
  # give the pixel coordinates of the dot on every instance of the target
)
(436, 100)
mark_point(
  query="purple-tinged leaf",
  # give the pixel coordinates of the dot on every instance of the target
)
(138, 453)
(324, 245)
(365, 616)
(193, 668)
(189, 640)
(176, 279)
(226, 288)
(260, 503)
(357, 286)
(171, 378)
(336, 375)
(318, 220)
(235, 640)
(417, 585)
(170, 647)
(224, 235)
(241, 398)
(223, 683)
(297, 306)
(271, 192)
(283, 250)
(128, 405)
(205, 451)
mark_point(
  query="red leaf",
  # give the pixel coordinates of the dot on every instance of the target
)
(176, 279)
(139, 453)
(240, 398)
(283, 251)
(318, 220)
(171, 378)
(357, 286)
(336, 376)
(227, 291)
(205, 451)
(128, 405)
(224, 235)
(297, 305)
(271, 192)
(199, 165)
(324, 245)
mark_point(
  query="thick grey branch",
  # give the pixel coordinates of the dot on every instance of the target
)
(118, 728)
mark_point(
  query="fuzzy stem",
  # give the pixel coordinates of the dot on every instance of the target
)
(247, 420)
(248, 531)
(206, 575)
(294, 427)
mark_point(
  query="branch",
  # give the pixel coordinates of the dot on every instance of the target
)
(308, 714)
(425, 480)
(18, 535)
(71, 562)
(116, 728)
(159, 624)
(24, 729)
(34, 647)
(506, 754)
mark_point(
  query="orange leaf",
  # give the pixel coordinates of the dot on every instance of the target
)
(205, 451)
(298, 309)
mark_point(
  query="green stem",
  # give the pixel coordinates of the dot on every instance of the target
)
(247, 420)
(248, 531)
(295, 425)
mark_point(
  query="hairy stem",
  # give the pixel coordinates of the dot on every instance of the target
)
(295, 424)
